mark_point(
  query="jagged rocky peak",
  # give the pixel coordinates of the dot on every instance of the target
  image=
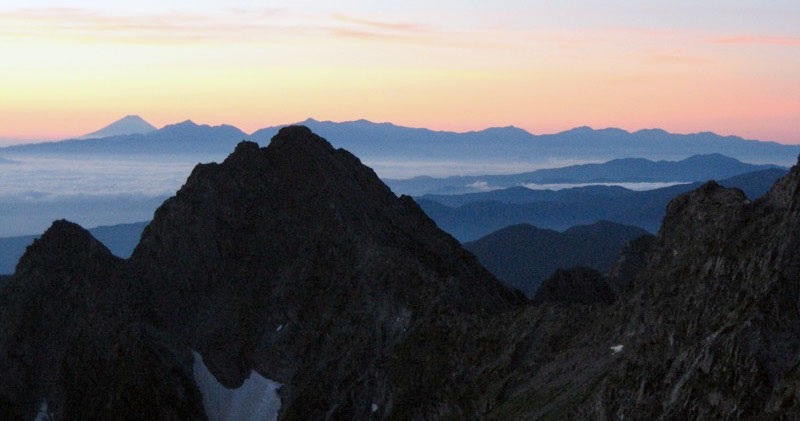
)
(710, 326)
(295, 252)
(63, 246)
(709, 212)
(57, 288)
(632, 259)
(785, 192)
(292, 261)
(703, 203)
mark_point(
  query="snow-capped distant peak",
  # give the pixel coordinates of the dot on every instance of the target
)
(131, 124)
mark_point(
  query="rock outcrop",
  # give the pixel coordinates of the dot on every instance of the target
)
(709, 328)
(632, 259)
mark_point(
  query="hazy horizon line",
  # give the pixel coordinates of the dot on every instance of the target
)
(6, 141)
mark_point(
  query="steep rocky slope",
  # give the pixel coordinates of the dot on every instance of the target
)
(282, 259)
(709, 328)
(66, 341)
(294, 261)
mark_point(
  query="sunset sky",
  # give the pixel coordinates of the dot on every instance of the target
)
(728, 66)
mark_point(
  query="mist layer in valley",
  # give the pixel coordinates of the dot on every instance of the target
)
(91, 191)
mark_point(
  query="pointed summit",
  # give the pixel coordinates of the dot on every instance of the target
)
(300, 137)
(64, 246)
(299, 243)
(131, 124)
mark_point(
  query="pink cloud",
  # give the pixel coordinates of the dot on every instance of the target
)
(759, 40)
(676, 59)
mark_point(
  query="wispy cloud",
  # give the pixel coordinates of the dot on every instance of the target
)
(169, 27)
(246, 25)
(390, 26)
(759, 40)
(364, 35)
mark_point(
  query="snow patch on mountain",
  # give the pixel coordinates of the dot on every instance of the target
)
(256, 399)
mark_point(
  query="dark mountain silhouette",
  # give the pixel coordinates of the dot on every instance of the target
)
(295, 261)
(120, 239)
(128, 125)
(382, 141)
(587, 286)
(479, 214)
(354, 301)
(632, 259)
(630, 170)
(708, 329)
(522, 256)
(69, 341)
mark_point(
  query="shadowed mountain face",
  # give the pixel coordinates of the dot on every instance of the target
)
(67, 339)
(478, 214)
(355, 302)
(294, 261)
(522, 256)
(707, 329)
(303, 236)
(120, 239)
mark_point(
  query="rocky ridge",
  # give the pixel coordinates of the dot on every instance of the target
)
(297, 262)
(292, 260)
(709, 328)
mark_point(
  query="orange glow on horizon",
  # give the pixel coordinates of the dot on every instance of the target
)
(71, 75)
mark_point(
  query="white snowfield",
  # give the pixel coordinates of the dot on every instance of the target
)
(617, 348)
(43, 414)
(256, 399)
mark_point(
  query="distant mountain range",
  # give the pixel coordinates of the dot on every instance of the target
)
(185, 138)
(628, 170)
(367, 139)
(128, 125)
(523, 255)
(471, 216)
(378, 141)
(120, 239)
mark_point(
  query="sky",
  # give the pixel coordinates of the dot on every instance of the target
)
(729, 66)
